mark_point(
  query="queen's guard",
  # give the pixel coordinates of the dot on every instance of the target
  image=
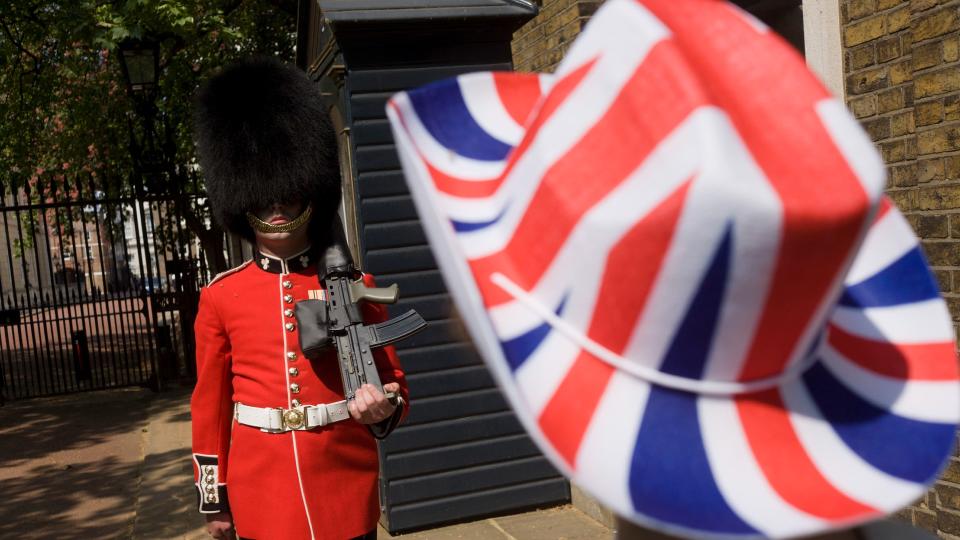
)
(278, 451)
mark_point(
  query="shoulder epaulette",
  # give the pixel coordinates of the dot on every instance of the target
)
(226, 273)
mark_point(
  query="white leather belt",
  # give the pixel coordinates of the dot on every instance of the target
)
(277, 420)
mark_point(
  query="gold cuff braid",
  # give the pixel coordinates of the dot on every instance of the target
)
(266, 228)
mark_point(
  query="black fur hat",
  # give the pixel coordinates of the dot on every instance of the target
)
(263, 136)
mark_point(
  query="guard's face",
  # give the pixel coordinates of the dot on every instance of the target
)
(280, 214)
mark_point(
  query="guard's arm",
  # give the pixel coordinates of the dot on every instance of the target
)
(388, 366)
(211, 407)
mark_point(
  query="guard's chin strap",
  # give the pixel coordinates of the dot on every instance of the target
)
(266, 228)
(653, 376)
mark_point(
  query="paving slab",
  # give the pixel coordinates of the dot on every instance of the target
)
(166, 502)
(116, 464)
(563, 523)
(70, 466)
(474, 530)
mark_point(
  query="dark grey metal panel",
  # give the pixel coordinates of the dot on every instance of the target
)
(392, 80)
(453, 431)
(463, 404)
(392, 208)
(479, 503)
(398, 465)
(449, 381)
(414, 283)
(395, 234)
(381, 183)
(373, 11)
(428, 359)
(461, 453)
(406, 259)
(471, 479)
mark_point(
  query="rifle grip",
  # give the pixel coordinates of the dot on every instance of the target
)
(377, 295)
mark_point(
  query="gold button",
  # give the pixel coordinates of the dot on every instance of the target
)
(289, 326)
(287, 284)
(295, 403)
(291, 356)
(288, 298)
(293, 372)
(295, 388)
(288, 312)
(210, 479)
(211, 498)
(208, 469)
(211, 489)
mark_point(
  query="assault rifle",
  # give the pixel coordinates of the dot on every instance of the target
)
(336, 320)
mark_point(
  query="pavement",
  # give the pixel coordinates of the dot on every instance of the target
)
(116, 464)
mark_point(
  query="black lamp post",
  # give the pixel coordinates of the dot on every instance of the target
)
(140, 61)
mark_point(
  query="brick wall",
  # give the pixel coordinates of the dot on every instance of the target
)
(903, 84)
(541, 43)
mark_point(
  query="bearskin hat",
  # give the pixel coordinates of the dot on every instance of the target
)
(263, 136)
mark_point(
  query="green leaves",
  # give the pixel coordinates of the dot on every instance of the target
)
(62, 91)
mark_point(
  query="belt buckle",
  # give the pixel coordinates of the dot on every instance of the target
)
(294, 419)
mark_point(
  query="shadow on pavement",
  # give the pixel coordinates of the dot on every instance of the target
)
(83, 466)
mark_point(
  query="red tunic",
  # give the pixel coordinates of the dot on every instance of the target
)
(315, 484)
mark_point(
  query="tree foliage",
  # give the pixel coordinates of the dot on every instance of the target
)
(64, 104)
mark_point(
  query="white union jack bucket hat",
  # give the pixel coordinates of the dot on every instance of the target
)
(676, 258)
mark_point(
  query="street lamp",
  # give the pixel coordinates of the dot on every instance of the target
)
(140, 61)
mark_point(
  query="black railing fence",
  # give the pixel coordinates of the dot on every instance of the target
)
(99, 281)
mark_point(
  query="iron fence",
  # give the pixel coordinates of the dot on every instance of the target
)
(99, 280)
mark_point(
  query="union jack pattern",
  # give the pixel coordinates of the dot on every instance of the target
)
(675, 257)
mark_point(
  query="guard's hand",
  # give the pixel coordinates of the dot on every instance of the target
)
(220, 526)
(370, 406)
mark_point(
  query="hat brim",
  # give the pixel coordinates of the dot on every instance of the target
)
(859, 433)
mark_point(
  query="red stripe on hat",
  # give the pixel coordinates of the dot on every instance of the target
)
(624, 136)
(914, 362)
(519, 93)
(786, 465)
(885, 206)
(623, 293)
(459, 187)
(771, 98)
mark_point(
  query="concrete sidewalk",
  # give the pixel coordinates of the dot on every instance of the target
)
(116, 464)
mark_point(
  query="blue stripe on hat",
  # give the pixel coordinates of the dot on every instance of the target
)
(670, 477)
(687, 354)
(669, 451)
(518, 349)
(443, 111)
(905, 281)
(909, 449)
(468, 226)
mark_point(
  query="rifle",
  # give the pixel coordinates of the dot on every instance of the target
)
(332, 317)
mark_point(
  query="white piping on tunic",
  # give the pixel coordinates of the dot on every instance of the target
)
(293, 434)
